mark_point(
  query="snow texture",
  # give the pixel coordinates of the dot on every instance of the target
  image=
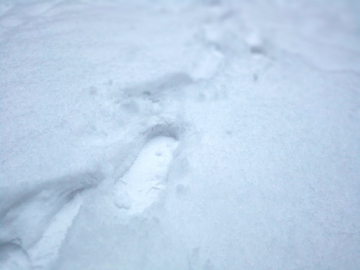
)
(163, 134)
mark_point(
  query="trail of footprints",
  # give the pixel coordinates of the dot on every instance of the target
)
(153, 125)
(155, 118)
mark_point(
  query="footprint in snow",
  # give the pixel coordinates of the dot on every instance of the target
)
(143, 183)
(13, 257)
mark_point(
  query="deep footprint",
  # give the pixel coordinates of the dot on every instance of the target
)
(142, 185)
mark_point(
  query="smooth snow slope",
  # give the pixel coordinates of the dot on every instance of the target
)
(180, 135)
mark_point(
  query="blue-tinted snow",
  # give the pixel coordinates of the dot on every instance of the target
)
(179, 135)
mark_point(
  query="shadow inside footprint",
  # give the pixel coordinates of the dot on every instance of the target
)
(156, 89)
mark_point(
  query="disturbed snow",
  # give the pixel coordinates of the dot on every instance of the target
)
(166, 135)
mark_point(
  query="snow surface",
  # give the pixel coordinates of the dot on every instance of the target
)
(163, 134)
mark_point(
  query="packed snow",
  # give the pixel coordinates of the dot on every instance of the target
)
(163, 134)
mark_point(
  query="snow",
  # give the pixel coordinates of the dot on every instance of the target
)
(141, 185)
(179, 134)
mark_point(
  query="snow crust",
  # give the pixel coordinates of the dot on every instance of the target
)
(179, 134)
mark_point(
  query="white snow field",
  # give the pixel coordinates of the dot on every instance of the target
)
(185, 135)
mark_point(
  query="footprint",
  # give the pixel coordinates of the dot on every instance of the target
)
(45, 252)
(13, 257)
(39, 220)
(142, 185)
